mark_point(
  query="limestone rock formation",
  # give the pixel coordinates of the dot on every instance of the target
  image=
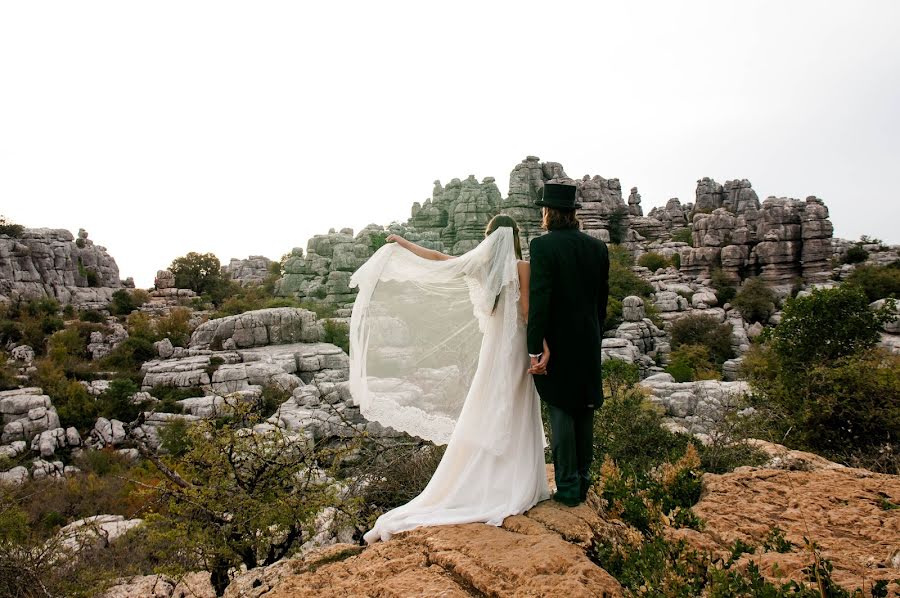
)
(273, 326)
(252, 270)
(780, 239)
(839, 508)
(540, 553)
(45, 262)
(695, 407)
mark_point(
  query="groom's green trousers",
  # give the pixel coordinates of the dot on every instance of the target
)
(572, 444)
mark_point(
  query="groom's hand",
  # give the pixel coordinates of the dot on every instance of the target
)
(539, 365)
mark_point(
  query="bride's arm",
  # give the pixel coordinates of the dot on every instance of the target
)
(524, 281)
(428, 254)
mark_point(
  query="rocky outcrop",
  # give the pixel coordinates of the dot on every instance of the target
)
(45, 262)
(191, 585)
(258, 328)
(26, 412)
(540, 553)
(695, 407)
(252, 270)
(781, 239)
(846, 512)
(227, 372)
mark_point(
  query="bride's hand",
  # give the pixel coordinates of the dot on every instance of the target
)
(396, 239)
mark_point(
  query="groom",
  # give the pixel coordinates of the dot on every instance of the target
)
(567, 307)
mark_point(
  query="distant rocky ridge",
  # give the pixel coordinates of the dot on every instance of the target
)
(45, 262)
(781, 239)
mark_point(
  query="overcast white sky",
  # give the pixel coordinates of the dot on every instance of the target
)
(245, 128)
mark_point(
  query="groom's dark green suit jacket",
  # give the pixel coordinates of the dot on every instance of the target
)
(567, 306)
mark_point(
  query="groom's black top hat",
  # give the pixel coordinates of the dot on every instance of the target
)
(559, 196)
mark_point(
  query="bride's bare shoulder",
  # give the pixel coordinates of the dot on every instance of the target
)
(524, 268)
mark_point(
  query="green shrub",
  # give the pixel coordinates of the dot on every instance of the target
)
(619, 376)
(91, 315)
(130, 354)
(613, 314)
(689, 363)
(755, 301)
(271, 399)
(377, 240)
(74, 404)
(683, 235)
(856, 255)
(703, 330)
(115, 402)
(628, 429)
(176, 327)
(9, 228)
(877, 282)
(820, 378)
(623, 282)
(725, 290)
(676, 260)
(174, 438)
(826, 325)
(653, 261)
(337, 333)
(122, 303)
(616, 226)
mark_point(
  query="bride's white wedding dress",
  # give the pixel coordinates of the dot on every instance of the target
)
(438, 350)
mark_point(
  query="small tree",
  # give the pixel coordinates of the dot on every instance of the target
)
(755, 301)
(9, 228)
(877, 282)
(703, 330)
(856, 255)
(202, 273)
(237, 497)
(616, 225)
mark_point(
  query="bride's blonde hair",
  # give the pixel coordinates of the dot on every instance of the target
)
(504, 220)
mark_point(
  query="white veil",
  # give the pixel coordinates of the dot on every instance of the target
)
(420, 330)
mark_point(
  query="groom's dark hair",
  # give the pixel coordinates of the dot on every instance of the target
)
(555, 219)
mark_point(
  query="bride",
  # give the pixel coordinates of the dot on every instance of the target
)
(437, 349)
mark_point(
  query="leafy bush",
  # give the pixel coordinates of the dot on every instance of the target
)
(202, 273)
(9, 228)
(130, 354)
(725, 290)
(654, 261)
(337, 333)
(115, 402)
(377, 240)
(174, 438)
(676, 261)
(619, 376)
(176, 327)
(124, 302)
(689, 363)
(271, 399)
(616, 226)
(623, 282)
(856, 255)
(683, 235)
(819, 377)
(826, 325)
(628, 429)
(755, 301)
(91, 315)
(877, 282)
(74, 404)
(703, 330)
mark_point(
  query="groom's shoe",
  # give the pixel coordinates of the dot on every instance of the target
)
(569, 502)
